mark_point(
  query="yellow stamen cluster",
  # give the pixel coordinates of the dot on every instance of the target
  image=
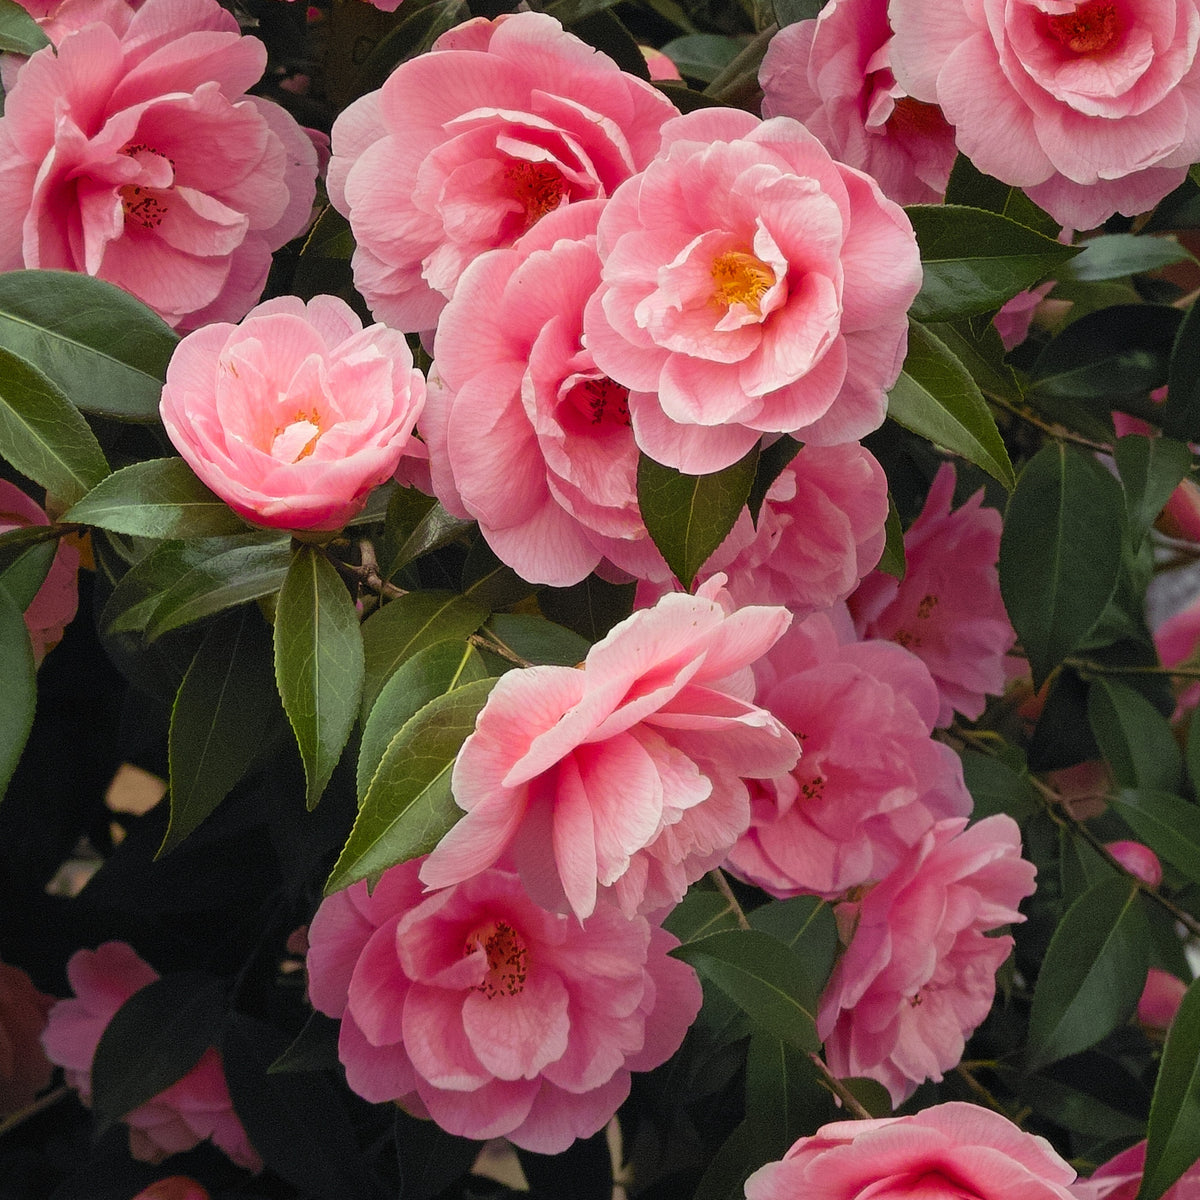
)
(740, 278)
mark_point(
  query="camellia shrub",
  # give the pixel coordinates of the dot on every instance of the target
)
(599, 598)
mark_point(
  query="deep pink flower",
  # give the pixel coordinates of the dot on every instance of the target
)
(919, 973)
(295, 414)
(750, 285)
(1138, 860)
(466, 147)
(133, 153)
(1160, 999)
(492, 1016)
(941, 1153)
(191, 1109)
(53, 607)
(1120, 1178)
(524, 433)
(174, 1187)
(24, 1068)
(870, 782)
(948, 609)
(832, 73)
(1091, 106)
(625, 774)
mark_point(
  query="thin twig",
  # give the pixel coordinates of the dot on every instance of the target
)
(486, 643)
(839, 1089)
(42, 1102)
(964, 1073)
(722, 885)
(1086, 665)
(1058, 432)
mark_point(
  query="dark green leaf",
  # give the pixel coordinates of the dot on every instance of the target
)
(1173, 1134)
(788, 12)
(226, 708)
(604, 31)
(1059, 553)
(430, 1159)
(19, 32)
(14, 542)
(1192, 751)
(314, 1048)
(772, 462)
(871, 1094)
(971, 187)
(19, 673)
(893, 562)
(330, 236)
(1168, 824)
(490, 583)
(536, 640)
(739, 1156)
(24, 576)
(782, 1094)
(408, 807)
(158, 498)
(1150, 469)
(318, 663)
(1180, 414)
(975, 260)
(982, 352)
(1082, 1111)
(107, 351)
(412, 36)
(591, 608)
(570, 12)
(997, 788)
(689, 516)
(806, 926)
(1112, 255)
(1134, 737)
(435, 527)
(155, 1038)
(936, 398)
(701, 56)
(1093, 972)
(700, 913)
(43, 434)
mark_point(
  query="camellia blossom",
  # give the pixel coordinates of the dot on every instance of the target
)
(181, 1116)
(750, 285)
(1160, 999)
(24, 1068)
(625, 774)
(944, 1152)
(466, 147)
(294, 415)
(832, 73)
(870, 781)
(134, 154)
(919, 973)
(947, 610)
(1091, 106)
(1120, 1179)
(53, 606)
(1138, 860)
(478, 1008)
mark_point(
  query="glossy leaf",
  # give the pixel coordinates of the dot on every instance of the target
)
(23, 577)
(490, 583)
(44, 435)
(982, 352)
(783, 1095)
(1059, 553)
(1150, 469)
(805, 924)
(700, 913)
(1134, 737)
(19, 32)
(19, 673)
(971, 187)
(773, 460)
(893, 561)
(689, 516)
(1093, 972)
(537, 640)
(701, 56)
(1180, 413)
(157, 498)
(1166, 823)
(788, 12)
(997, 788)
(936, 398)
(1173, 1134)
(435, 527)
(590, 608)
(226, 707)
(408, 806)
(107, 351)
(1113, 255)
(318, 663)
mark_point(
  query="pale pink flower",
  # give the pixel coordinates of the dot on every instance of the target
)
(948, 609)
(1121, 1177)
(492, 1016)
(1160, 999)
(1015, 316)
(133, 153)
(833, 74)
(750, 285)
(941, 1153)
(919, 973)
(870, 781)
(1177, 639)
(24, 1068)
(180, 1117)
(53, 607)
(626, 774)
(1091, 106)
(295, 414)
(661, 67)
(466, 147)
(525, 435)
(1138, 860)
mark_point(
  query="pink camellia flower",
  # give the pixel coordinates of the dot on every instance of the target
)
(180, 1117)
(132, 152)
(492, 1016)
(750, 285)
(295, 414)
(465, 148)
(832, 73)
(174, 1187)
(941, 1153)
(524, 433)
(919, 973)
(24, 1068)
(870, 782)
(948, 609)
(625, 774)
(1091, 106)
(1121, 1177)
(53, 607)
(1138, 860)
(1160, 999)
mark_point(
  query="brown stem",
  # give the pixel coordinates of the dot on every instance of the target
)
(1084, 664)
(839, 1089)
(31, 1110)
(722, 886)
(1058, 432)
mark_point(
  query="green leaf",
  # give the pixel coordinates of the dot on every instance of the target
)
(739, 1156)
(971, 187)
(105, 350)
(1180, 412)
(537, 640)
(433, 528)
(1060, 554)
(158, 498)
(408, 807)
(223, 715)
(893, 561)
(1168, 824)
(568, 12)
(936, 398)
(763, 977)
(415, 33)
(1113, 255)
(997, 788)
(19, 673)
(318, 663)
(14, 542)
(1173, 1134)
(1077, 1110)
(591, 607)
(19, 32)
(43, 434)
(1134, 737)
(975, 260)
(700, 913)
(773, 460)
(1150, 469)
(408, 624)
(24, 576)
(490, 583)
(606, 33)
(782, 1095)
(982, 352)
(788, 12)
(1093, 972)
(155, 1038)
(701, 56)
(1192, 751)
(804, 924)
(689, 516)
